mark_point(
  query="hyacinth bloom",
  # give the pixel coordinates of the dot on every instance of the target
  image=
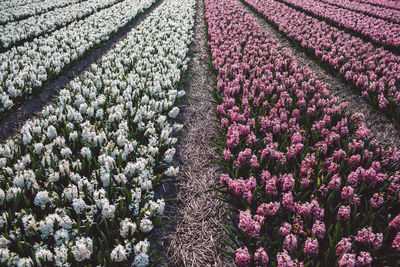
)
(348, 260)
(242, 257)
(290, 242)
(296, 163)
(343, 246)
(311, 246)
(396, 242)
(344, 213)
(261, 257)
(395, 223)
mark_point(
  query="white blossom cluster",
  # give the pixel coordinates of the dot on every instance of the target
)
(27, 66)
(77, 184)
(17, 11)
(16, 31)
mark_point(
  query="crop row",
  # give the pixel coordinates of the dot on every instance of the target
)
(22, 30)
(306, 182)
(378, 30)
(374, 71)
(77, 185)
(33, 8)
(4, 4)
(380, 12)
(28, 66)
(383, 3)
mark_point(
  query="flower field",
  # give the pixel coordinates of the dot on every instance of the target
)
(29, 66)
(374, 71)
(306, 181)
(380, 3)
(368, 9)
(298, 168)
(90, 163)
(378, 30)
(15, 32)
(16, 10)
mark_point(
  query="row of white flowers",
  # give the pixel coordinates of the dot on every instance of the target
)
(17, 31)
(77, 185)
(14, 3)
(17, 11)
(28, 66)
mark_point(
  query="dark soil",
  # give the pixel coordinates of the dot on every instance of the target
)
(193, 239)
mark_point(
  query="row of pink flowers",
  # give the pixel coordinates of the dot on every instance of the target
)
(375, 71)
(380, 12)
(382, 3)
(379, 30)
(306, 181)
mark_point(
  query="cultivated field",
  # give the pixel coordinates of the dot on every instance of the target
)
(199, 133)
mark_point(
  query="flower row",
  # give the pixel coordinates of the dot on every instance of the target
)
(78, 184)
(378, 30)
(36, 7)
(374, 71)
(10, 4)
(17, 31)
(383, 3)
(380, 12)
(306, 181)
(27, 67)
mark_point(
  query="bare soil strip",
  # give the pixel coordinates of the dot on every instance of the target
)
(11, 124)
(193, 239)
(380, 126)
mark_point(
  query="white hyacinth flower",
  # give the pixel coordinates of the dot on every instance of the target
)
(173, 113)
(83, 249)
(118, 254)
(146, 225)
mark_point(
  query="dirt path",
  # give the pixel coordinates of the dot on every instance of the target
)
(193, 239)
(379, 125)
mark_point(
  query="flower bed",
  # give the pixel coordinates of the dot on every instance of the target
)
(18, 31)
(77, 185)
(380, 12)
(19, 12)
(27, 67)
(373, 71)
(306, 182)
(10, 4)
(383, 3)
(378, 30)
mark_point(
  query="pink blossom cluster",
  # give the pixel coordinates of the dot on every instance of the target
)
(249, 224)
(343, 250)
(261, 257)
(366, 235)
(299, 169)
(350, 260)
(311, 246)
(378, 30)
(380, 12)
(375, 71)
(242, 257)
